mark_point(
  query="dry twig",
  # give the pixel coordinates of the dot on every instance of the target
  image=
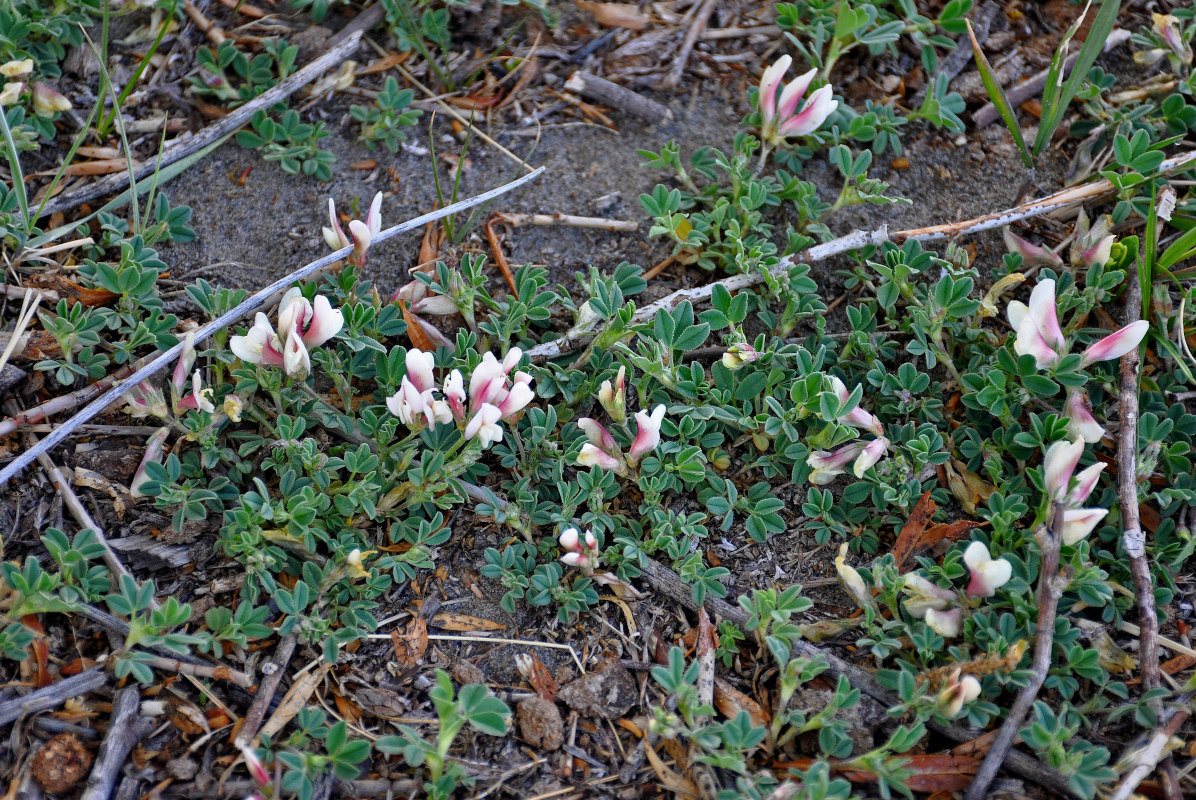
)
(1051, 585)
(568, 221)
(125, 730)
(210, 134)
(274, 672)
(857, 239)
(53, 695)
(620, 97)
(691, 38)
(1133, 538)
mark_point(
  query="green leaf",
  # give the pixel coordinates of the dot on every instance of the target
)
(997, 95)
(1055, 99)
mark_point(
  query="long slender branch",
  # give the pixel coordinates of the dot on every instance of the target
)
(266, 689)
(210, 134)
(250, 304)
(67, 402)
(1133, 538)
(125, 730)
(53, 695)
(1051, 585)
(857, 239)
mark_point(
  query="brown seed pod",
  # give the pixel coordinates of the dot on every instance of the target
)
(61, 764)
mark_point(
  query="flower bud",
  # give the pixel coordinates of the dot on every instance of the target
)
(47, 100)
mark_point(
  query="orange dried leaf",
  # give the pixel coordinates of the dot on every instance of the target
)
(464, 622)
(615, 15)
(919, 518)
(730, 701)
(411, 646)
(542, 681)
(416, 333)
(347, 708)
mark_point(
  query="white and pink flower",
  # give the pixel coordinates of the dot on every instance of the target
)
(958, 691)
(612, 397)
(647, 435)
(987, 573)
(1081, 423)
(780, 117)
(360, 233)
(1039, 334)
(581, 552)
(826, 465)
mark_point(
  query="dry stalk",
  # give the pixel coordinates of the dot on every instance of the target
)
(1133, 538)
(856, 240)
(53, 695)
(274, 672)
(226, 125)
(126, 728)
(1051, 585)
(700, 21)
(569, 221)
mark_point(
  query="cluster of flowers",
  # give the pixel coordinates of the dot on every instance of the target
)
(829, 464)
(360, 233)
(1092, 244)
(780, 117)
(302, 324)
(602, 450)
(941, 608)
(1040, 335)
(494, 395)
(46, 99)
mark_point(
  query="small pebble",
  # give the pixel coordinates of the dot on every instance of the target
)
(540, 723)
(467, 672)
(608, 692)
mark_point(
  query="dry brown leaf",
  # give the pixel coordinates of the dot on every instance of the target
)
(935, 772)
(615, 15)
(103, 166)
(67, 288)
(411, 646)
(669, 779)
(415, 332)
(464, 622)
(730, 701)
(347, 709)
(296, 699)
(389, 61)
(919, 518)
(541, 680)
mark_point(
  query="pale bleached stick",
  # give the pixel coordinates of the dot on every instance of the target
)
(1151, 753)
(568, 221)
(857, 239)
(73, 503)
(250, 304)
(212, 133)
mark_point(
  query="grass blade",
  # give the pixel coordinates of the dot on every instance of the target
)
(1055, 99)
(141, 187)
(1000, 101)
(14, 168)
